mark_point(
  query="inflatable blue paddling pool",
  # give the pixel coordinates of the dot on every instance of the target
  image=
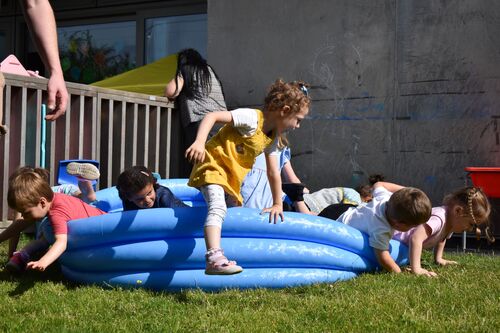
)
(163, 248)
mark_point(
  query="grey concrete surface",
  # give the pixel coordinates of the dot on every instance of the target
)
(409, 89)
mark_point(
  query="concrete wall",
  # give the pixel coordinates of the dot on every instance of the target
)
(409, 89)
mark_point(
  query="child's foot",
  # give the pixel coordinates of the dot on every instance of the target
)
(17, 263)
(218, 264)
(83, 170)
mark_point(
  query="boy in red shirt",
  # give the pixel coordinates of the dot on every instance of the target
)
(30, 194)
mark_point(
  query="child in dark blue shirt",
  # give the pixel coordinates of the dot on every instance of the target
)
(138, 189)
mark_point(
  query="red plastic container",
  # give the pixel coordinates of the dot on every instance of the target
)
(488, 178)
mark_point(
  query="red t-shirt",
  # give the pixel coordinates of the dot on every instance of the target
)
(65, 208)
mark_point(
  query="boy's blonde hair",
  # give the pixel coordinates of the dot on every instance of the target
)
(409, 206)
(475, 203)
(293, 94)
(44, 173)
(26, 188)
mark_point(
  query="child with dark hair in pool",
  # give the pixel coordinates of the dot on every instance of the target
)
(138, 189)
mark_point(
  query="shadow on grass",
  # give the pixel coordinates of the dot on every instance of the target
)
(28, 279)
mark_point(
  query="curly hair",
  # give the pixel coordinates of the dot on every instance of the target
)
(293, 94)
(281, 93)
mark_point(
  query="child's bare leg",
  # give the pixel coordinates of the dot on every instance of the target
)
(212, 237)
(87, 190)
(217, 263)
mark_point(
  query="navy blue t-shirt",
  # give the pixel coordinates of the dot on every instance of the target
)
(164, 198)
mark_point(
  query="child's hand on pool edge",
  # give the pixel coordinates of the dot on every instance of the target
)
(274, 212)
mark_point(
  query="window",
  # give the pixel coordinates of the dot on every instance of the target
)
(91, 53)
(168, 35)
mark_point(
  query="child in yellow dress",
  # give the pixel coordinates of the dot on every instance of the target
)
(223, 162)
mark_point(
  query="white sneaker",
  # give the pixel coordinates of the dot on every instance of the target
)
(83, 170)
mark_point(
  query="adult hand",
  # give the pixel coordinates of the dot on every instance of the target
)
(57, 98)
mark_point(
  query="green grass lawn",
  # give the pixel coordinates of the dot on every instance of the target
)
(464, 298)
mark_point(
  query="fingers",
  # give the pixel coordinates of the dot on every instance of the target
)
(32, 265)
(35, 265)
(427, 273)
(57, 96)
(194, 156)
(55, 114)
(62, 102)
(274, 216)
(446, 262)
(51, 97)
(421, 272)
(57, 104)
(201, 157)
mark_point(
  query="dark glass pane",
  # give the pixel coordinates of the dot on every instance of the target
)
(168, 35)
(3, 45)
(91, 53)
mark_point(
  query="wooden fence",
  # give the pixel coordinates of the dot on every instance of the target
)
(118, 129)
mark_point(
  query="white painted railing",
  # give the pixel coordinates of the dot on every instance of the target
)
(116, 128)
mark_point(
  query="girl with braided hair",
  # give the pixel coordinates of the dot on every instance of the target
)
(463, 210)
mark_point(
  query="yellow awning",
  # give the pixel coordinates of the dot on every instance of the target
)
(150, 79)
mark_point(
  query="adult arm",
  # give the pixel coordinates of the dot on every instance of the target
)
(172, 88)
(417, 238)
(52, 254)
(274, 178)
(196, 152)
(40, 19)
(385, 260)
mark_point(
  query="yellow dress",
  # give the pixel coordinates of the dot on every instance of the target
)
(229, 156)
